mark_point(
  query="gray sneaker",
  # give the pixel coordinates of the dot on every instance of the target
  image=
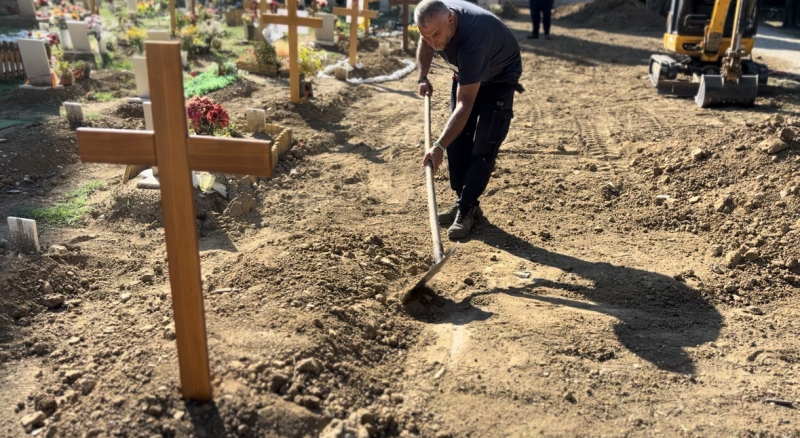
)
(462, 226)
(446, 218)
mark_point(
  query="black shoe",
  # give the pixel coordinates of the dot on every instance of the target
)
(465, 220)
(547, 36)
(446, 218)
(533, 37)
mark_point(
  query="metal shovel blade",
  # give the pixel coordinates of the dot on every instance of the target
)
(408, 293)
(716, 91)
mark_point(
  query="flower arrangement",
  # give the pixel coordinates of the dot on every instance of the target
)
(413, 32)
(136, 36)
(322, 6)
(310, 61)
(147, 9)
(94, 25)
(50, 38)
(66, 11)
(207, 117)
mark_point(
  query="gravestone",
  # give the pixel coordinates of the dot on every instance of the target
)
(256, 120)
(27, 8)
(78, 33)
(37, 66)
(23, 234)
(326, 35)
(44, 26)
(142, 83)
(158, 35)
(384, 49)
(148, 115)
(131, 7)
(74, 114)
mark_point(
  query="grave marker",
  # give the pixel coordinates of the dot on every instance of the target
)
(27, 8)
(354, 13)
(142, 83)
(79, 35)
(404, 15)
(326, 35)
(74, 114)
(292, 21)
(37, 66)
(256, 120)
(131, 7)
(158, 35)
(176, 153)
(23, 234)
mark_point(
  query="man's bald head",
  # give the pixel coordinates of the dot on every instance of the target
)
(429, 11)
(437, 23)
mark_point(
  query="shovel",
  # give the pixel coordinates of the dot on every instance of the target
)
(439, 256)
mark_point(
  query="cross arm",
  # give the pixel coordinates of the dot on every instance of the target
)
(402, 2)
(117, 146)
(355, 12)
(230, 155)
(298, 21)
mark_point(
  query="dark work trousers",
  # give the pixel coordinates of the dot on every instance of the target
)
(470, 158)
(540, 9)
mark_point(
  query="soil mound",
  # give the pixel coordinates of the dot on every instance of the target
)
(376, 65)
(620, 14)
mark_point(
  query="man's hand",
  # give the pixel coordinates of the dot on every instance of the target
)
(425, 87)
(435, 156)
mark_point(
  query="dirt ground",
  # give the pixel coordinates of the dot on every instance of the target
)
(636, 273)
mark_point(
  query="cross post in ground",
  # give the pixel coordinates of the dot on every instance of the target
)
(354, 12)
(292, 21)
(173, 18)
(405, 4)
(176, 153)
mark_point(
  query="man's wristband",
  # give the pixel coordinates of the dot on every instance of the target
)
(422, 79)
(439, 145)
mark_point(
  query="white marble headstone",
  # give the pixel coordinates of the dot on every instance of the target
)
(158, 35)
(74, 114)
(148, 115)
(140, 72)
(26, 8)
(23, 234)
(34, 59)
(44, 26)
(255, 120)
(327, 32)
(78, 33)
(131, 6)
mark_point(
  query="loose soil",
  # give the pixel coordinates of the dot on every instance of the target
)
(635, 273)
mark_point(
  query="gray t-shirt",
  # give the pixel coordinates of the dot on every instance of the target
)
(483, 49)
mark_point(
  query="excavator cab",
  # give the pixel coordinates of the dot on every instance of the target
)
(708, 41)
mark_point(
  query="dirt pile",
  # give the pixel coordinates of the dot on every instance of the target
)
(617, 14)
(742, 190)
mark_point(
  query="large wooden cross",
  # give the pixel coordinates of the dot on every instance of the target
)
(354, 12)
(176, 153)
(406, 4)
(293, 21)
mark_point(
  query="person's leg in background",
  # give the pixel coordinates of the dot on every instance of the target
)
(546, 11)
(535, 14)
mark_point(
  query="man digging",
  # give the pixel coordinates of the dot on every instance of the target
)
(486, 63)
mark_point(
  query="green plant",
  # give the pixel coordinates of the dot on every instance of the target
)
(265, 53)
(207, 82)
(413, 32)
(103, 96)
(310, 61)
(62, 68)
(136, 37)
(67, 210)
(77, 65)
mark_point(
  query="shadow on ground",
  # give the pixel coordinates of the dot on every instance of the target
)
(659, 317)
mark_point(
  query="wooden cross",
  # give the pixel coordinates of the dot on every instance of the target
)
(293, 21)
(354, 12)
(173, 18)
(176, 153)
(405, 4)
(366, 24)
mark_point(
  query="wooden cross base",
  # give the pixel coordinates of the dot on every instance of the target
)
(176, 153)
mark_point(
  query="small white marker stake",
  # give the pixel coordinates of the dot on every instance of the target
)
(23, 234)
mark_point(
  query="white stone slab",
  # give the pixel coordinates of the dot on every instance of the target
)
(326, 33)
(255, 120)
(158, 35)
(131, 6)
(34, 58)
(44, 26)
(74, 114)
(26, 8)
(23, 234)
(148, 115)
(140, 72)
(78, 33)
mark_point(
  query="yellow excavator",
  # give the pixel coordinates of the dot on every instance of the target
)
(709, 42)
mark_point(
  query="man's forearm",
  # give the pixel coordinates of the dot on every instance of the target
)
(456, 123)
(424, 58)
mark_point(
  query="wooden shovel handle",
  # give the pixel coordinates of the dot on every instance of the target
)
(438, 250)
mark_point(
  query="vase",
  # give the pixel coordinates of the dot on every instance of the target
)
(102, 45)
(66, 79)
(184, 58)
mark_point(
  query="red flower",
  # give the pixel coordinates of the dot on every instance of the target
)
(212, 116)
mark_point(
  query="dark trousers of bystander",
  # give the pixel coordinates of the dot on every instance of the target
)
(540, 13)
(471, 157)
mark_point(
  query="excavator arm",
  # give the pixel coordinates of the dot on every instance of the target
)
(712, 37)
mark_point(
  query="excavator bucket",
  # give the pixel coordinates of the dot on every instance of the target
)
(716, 91)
